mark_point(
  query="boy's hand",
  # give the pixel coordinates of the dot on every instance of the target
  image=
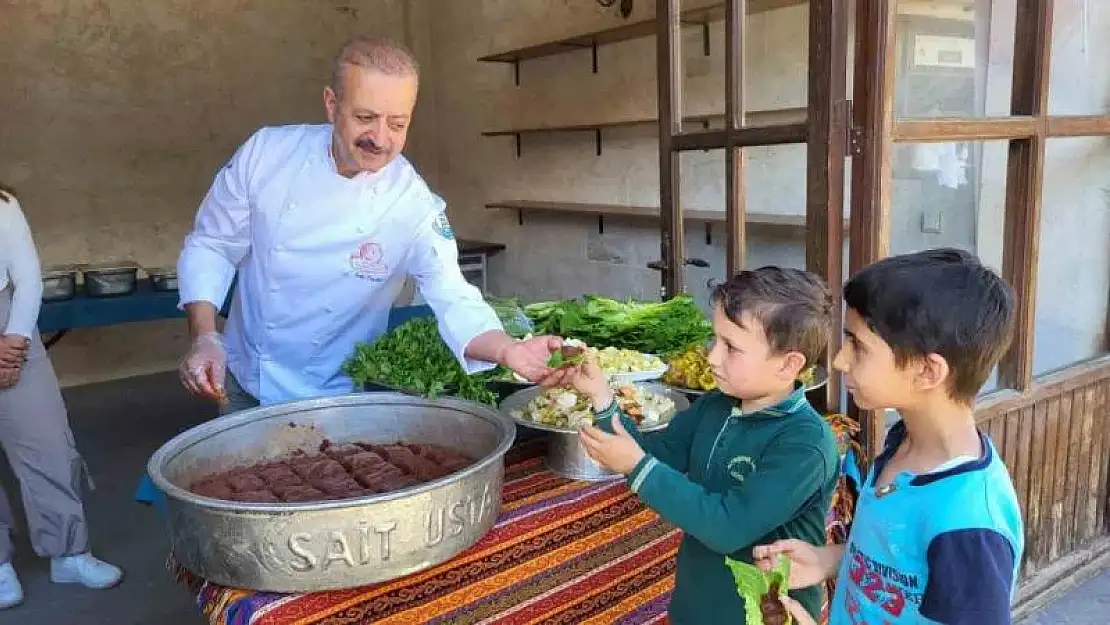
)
(591, 382)
(801, 617)
(809, 565)
(617, 452)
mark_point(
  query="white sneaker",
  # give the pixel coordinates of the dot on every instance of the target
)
(11, 592)
(86, 570)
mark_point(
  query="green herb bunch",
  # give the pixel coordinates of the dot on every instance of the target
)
(647, 327)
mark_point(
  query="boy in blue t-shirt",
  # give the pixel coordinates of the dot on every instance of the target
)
(937, 535)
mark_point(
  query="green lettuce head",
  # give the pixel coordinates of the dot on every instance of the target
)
(762, 592)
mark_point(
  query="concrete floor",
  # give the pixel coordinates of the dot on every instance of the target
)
(1086, 604)
(117, 426)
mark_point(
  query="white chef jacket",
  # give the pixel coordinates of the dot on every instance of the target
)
(320, 258)
(19, 267)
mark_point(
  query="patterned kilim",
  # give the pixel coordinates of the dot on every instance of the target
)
(562, 551)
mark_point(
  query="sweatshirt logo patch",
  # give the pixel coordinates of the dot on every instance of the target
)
(740, 467)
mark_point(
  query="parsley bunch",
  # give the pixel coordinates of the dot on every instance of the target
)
(413, 358)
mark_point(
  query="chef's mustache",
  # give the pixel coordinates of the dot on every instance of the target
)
(366, 143)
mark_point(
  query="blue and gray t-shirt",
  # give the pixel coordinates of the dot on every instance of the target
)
(941, 547)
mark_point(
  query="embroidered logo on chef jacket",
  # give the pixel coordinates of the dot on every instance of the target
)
(367, 262)
(443, 227)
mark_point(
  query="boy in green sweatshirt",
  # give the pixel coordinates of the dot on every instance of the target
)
(750, 463)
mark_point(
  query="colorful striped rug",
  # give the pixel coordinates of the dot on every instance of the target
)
(562, 551)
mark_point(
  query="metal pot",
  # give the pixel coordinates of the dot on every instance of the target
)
(163, 279)
(565, 454)
(59, 282)
(109, 279)
(306, 547)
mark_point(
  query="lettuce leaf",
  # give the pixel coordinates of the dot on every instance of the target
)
(752, 584)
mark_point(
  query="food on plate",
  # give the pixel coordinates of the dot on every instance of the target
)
(808, 377)
(334, 472)
(645, 327)
(567, 408)
(614, 361)
(761, 591)
(690, 369)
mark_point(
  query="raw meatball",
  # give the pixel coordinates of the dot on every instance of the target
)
(325, 467)
(299, 493)
(245, 482)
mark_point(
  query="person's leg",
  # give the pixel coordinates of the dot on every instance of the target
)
(237, 397)
(41, 449)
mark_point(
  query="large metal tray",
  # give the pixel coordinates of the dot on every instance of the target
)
(306, 547)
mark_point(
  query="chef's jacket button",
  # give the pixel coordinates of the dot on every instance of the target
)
(292, 205)
(327, 309)
(361, 230)
(270, 326)
(273, 289)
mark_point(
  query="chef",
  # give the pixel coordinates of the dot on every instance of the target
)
(323, 224)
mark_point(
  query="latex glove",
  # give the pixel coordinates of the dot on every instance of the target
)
(9, 376)
(204, 367)
(13, 349)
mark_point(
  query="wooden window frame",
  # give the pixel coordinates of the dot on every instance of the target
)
(824, 132)
(865, 127)
(1027, 129)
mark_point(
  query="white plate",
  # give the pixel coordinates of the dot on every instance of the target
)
(520, 399)
(638, 376)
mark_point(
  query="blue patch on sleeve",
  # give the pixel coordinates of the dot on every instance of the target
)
(443, 227)
(970, 578)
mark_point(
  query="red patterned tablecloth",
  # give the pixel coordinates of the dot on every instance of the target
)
(562, 551)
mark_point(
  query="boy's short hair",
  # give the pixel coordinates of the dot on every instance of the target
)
(794, 307)
(941, 301)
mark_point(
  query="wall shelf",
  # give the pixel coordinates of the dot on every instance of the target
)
(754, 118)
(624, 32)
(768, 222)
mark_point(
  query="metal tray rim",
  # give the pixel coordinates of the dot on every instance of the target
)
(218, 425)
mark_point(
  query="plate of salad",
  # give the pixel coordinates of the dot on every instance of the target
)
(621, 366)
(564, 409)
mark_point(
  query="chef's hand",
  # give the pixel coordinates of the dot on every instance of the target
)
(13, 350)
(617, 451)
(9, 376)
(529, 359)
(205, 366)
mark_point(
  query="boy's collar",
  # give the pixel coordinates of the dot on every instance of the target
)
(784, 408)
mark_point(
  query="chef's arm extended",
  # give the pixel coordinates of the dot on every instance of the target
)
(219, 240)
(466, 322)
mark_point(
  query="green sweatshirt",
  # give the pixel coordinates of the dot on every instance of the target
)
(732, 481)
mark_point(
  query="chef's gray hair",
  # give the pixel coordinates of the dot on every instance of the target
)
(377, 53)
